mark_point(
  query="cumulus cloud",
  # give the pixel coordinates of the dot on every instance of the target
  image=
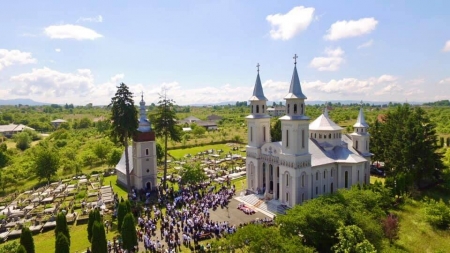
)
(97, 19)
(286, 26)
(57, 50)
(445, 81)
(352, 28)
(446, 46)
(330, 62)
(13, 57)
(68, 31)
(366, 44)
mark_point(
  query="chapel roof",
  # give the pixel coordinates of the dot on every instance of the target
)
(361, 121)
(258, 93)
(323, 122)
(295, 90)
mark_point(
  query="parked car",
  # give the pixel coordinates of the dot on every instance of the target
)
(377, 172)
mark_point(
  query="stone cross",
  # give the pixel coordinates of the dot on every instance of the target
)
(295, 59)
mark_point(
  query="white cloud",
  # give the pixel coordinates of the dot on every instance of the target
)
(71, 32)
(446, 46)
(444, 81)
(386, 78)
(57, 50)
(331, 62)
(97, 19)
(12, 57)
(286, 26)
(366, 44)
(352, 28)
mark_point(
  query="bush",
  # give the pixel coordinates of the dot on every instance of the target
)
(437, 213)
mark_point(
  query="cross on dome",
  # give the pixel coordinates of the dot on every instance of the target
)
(295, 59)
(257, 65)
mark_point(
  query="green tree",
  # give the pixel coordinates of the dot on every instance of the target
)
(21, 249)
(122, 210)
(62, 244)
(23, 140)
(101, 149)
(26, 240)
(94, 215)
(124, 122)
(275, 131)
(61, 226)
(165, 125)
(128, 232)
(159, 153)
(46, 162)
(98, 242)
(192, 174)
(351, 240)
(114, 157)
(4, 158)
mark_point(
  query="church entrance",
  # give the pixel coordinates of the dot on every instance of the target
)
(148, 186)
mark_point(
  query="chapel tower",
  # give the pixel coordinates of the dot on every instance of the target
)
(144, 152)
(360, 135)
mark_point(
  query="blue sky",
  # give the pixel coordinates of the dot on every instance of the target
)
(207, 51)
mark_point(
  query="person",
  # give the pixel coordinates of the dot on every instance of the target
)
(88, 250)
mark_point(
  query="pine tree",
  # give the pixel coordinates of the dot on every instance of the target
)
(21, 249)
(94, 215)
(98, 242)
(26, 240)
(62, 244)
(128, 232)
(61, 226)
(122, 210)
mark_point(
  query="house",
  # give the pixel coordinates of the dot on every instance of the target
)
(276, 111)
(11, 129)
(57, 122)
(207, 124)
(311, 159)
(214, 117)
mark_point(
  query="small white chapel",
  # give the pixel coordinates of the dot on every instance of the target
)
(311, 159)
(142, 156)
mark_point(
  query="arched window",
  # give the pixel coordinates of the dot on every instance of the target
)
(264, 133)
(329, 136)
(325, 136)
(287, 138)
(278, 171)
(251, 133)
(264, 175)
(263, 109)
(295, 108)
(257, 108)
(324, 174)
(320, 136)
(315, 135)
(287, 179)
(288, 107)
(287, 196)
(301, 105)
(146, 151)
(346, 179)
(303, 138)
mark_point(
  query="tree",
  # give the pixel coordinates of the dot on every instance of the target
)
(391, 227)
(159, 153)
(122, 210)
(98, 242)
(61, 226)
(128, 232)
(275, 131)
(94, 215)
(124, 122)
(62, 244)
(351, 239)
(192, 174)
(26, 240)
(166, 126)
(23, 140)
(101, 149)
(21, 249)
(46, 162)
(114, 157)
(4, 158)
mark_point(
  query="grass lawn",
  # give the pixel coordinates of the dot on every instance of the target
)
(373, 179)
(112, 180)
(179, 153)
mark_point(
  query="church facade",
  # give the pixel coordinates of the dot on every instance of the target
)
(311, 159)
(142, 156)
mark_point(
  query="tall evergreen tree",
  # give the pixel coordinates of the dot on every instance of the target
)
(26, 240)
(128, 232)
(61, 226)
(165, 125)
(124, 117)
(21, 249)
(122, 210)
(98, 242)
(62, 244)
(94, 215)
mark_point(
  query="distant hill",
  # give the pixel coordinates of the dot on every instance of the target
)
(315, 102)
(22, 101)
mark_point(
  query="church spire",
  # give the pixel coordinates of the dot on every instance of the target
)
(361, 121)
(258, 93)
(295, 90)
(144, 123)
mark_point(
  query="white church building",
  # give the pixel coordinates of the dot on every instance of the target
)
(142, 156)
(311, 159)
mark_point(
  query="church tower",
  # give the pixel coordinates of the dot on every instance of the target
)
(258, 127)
(360, 135)
(144, 153)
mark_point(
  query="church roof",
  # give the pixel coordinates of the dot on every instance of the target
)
(338, 154)
(258, 93)
(144, 123)
(121, 165)
(361, 121)
(323, 122)
(295, 90)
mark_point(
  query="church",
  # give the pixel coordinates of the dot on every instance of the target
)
(142, 156)
(311, 159)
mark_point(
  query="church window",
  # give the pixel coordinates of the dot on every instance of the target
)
(320, 136)
(263, 109)
(303, 180)
(287, 179)
(146, 151)
(264, 174)
(251, 133)
(257, 108)
(295, 108)
(315, 135)
(329, 136)
(301, 108)
(148, 171)
(346, 179)
(325, 136)
(287, 138)
(303, 138)
(356, 145)
(288, 107)
(278, 171)
(324, 174)
(264, 133)
(287, 197)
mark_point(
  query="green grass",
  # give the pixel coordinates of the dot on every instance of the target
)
(112, 180)
(179, 153)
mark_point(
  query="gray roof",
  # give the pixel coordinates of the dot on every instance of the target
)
(323, 122)
(191, 118)
(258, 93)
(13, 128)
(361, 121)
(338, 154)
(295, 90)
(121, 165)
(144, 123)
(58, 121)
